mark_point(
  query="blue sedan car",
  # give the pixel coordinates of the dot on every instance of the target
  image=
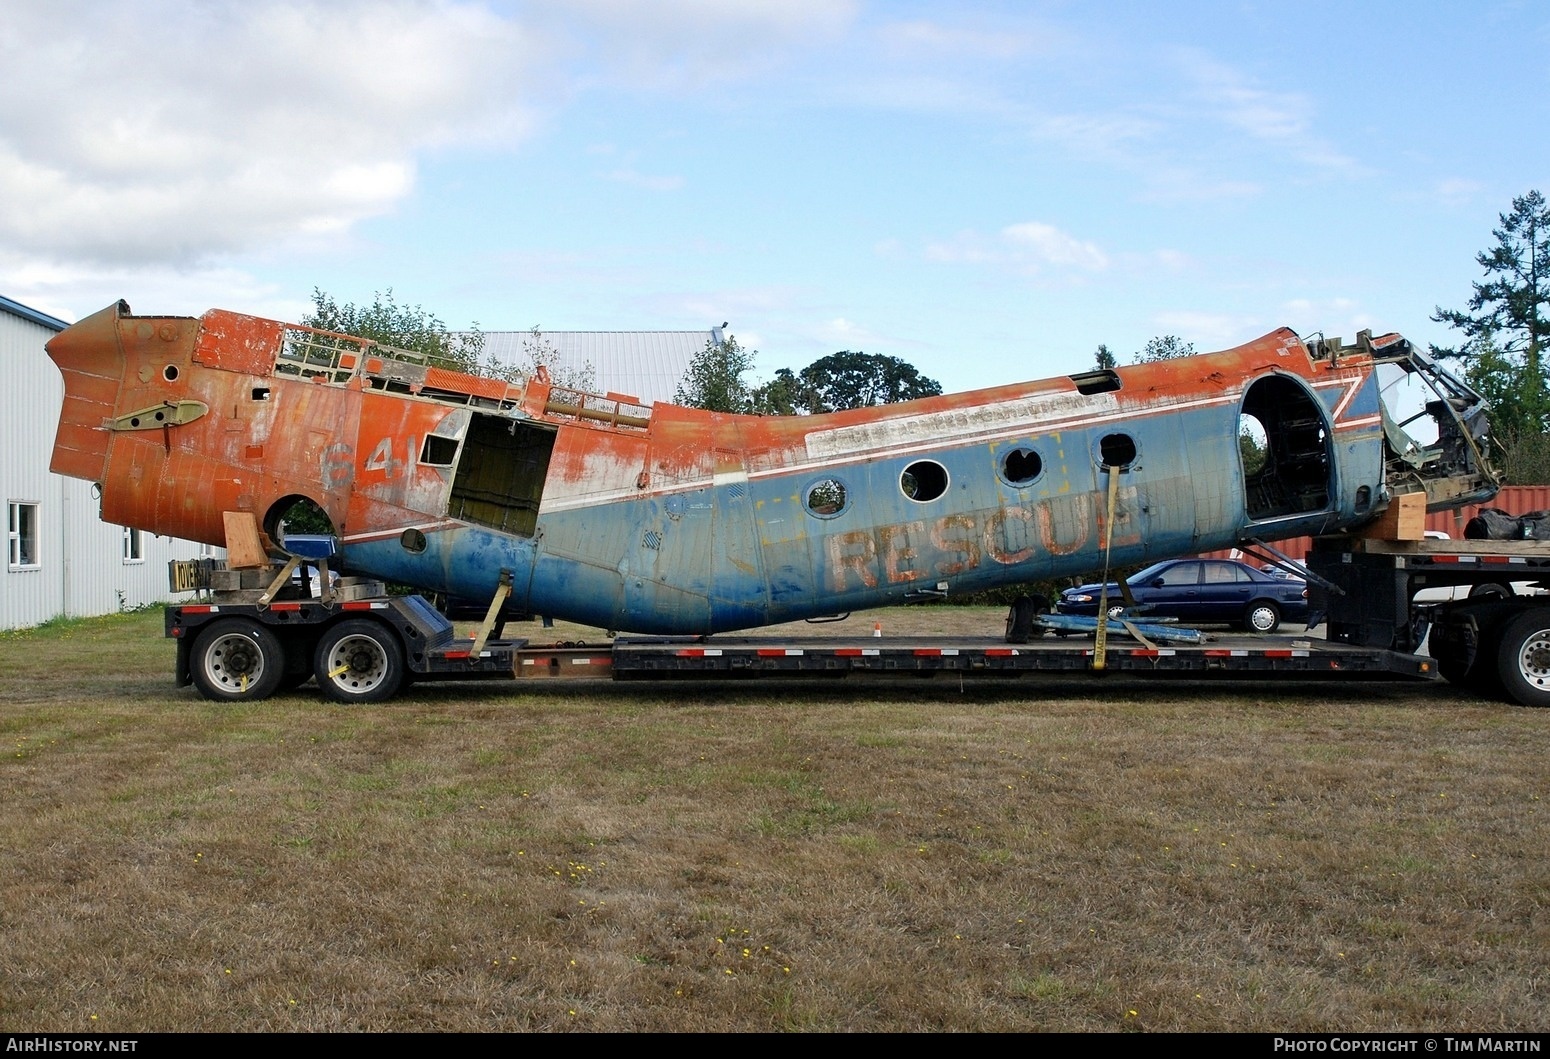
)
(1202, 592)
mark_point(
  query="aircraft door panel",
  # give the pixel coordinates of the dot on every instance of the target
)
(500, 475)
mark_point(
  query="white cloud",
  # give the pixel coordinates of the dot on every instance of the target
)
(845, 334)
(1049, 244)
(1211, 331)
(166, 132)
(678, 45)
(1281, 118)
(1456, 191)
(933, 40)
(1030, 246)
(1331, 316)
(72, 291)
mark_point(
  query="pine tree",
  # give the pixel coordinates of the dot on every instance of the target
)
(1505, 327)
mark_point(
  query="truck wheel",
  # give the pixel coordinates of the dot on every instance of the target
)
(1523, 658)
(1490, 590)
(237, 660)
(1019, 619)
(1466, 656)
(359, 661)
(1262, 617)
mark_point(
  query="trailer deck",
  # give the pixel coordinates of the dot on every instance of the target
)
(665, 658)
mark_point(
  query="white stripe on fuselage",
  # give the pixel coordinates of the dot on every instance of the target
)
(839, 447)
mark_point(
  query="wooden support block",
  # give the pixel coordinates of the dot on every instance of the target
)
(244, 547)
(1403, 520)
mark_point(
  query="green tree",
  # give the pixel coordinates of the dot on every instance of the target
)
(784, 395)
(1252, 452)
(1104, 359)
(1505, 329)
(714, 380)
(407, 327)
(1164, 347)
(859, 380)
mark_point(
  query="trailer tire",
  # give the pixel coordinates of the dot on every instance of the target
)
(1262, 617)
(1523, 658)
(237, 660)
(1466, 648)
(359, 661)
(1020, 627)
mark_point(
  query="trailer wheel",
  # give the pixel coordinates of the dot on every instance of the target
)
(1523, 658)
(1262, 617)
(237, 660)
(1020, 627)
(359, 661)
(1466, 655)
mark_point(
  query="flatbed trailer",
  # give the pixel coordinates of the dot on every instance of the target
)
(361, 645)
(1491, 637)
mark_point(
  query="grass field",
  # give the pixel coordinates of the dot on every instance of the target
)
(1076, 855)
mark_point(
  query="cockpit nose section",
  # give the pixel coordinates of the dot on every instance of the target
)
(1455, 469)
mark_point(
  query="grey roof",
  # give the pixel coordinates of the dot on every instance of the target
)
(648, 365)
(26, 313)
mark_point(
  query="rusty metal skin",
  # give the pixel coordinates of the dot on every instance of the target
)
(675, 520)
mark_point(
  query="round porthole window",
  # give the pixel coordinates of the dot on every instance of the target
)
(1021, 466)
(1117, 450)
(825, 497)
(923, 480)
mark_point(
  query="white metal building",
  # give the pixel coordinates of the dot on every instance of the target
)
(61, 559)
(647, 365)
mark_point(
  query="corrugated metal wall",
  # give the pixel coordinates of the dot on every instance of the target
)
(26, 435)
(1517, 499)
(648, 365)
(80, 560)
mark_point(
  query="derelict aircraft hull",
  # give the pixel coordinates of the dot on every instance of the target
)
(664, 519)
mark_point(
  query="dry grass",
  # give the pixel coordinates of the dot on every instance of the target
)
(834, 856)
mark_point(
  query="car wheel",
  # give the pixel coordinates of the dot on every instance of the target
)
(1490, 590)
(237, 660)
(1262, 617)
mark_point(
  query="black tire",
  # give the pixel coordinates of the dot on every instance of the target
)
(1019, 619)
(1262, 616)
(359, 661)
(1466, 654)
(237, 660)
(1490, 590)
(1523, 658)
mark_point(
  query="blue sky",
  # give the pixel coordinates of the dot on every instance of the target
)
(986, 190)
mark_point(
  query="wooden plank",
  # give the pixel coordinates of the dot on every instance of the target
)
(244, 546)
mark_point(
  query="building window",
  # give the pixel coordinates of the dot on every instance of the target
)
(134, 546)
(22, 535)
